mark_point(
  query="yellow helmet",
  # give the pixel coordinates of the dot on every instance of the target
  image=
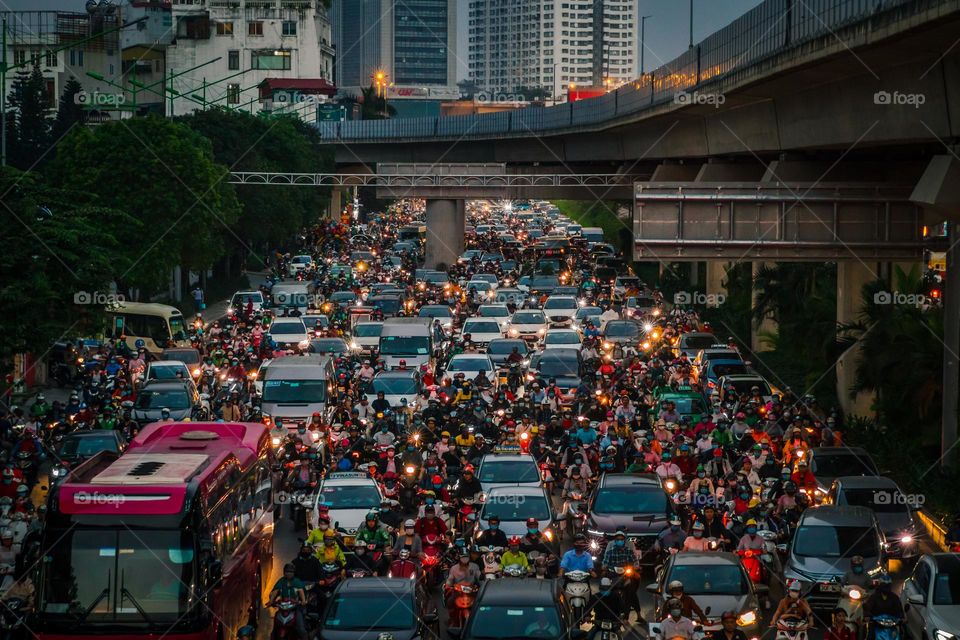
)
(751, 521)
(329, 534)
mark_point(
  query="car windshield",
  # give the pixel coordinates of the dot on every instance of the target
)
(550, 365)
(687, 405)
(168, 372)
(404, 346)
(879, 500)
(494, 312)
(744, 386)
(508, 622)
(158, 399)
(835, 542)
(834, 465)
(328, 345)
(509, 471)
(102, 575)
(395, 386)
(287, 328)
(294, 391)
(435, 311)
(389, 306)
(367, 330)
(621, 330)
(347, 496)
(946, 588)
(544, 281)
(512, 508)
(560, 303)
(481, 327)
(343, 296)
(698, 342)
(630, 499)
(244, 298)
(528, 317)
(718, 370)
(355, 612)
(587, 312)
(87, 446)
(189, 356)
(468, 364)
(504, 347)
(711, 579)
(178, 330)
(562, 337)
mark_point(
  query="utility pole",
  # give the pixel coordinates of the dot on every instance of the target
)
(691, 24)
(643, 45)
(3, 96)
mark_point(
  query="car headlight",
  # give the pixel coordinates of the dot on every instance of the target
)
(540, 332)
(747, 618)
(303, 344)
(907, 539)
(514, 332)
(354, 345)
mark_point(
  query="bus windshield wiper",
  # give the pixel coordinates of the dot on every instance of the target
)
(103, 594)
(125, 593)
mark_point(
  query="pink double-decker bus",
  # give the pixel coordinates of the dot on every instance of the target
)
(173, 538)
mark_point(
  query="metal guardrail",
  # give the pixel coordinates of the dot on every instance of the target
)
(769, 29)
(936, 532)
(397, 180)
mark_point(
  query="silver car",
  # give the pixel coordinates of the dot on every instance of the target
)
(931, 597)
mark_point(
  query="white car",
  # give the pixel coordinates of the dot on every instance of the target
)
(470, 364)
(240, 299)
(498, 312)
(587, 313)
(350, 496)
(289, 333)
(300, 263)
(366, 336)
(482, 330)
(439, 312)
(489, 278)
(562, 338)
(527, 324)
(561, 310)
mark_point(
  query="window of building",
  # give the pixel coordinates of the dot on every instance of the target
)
(233, 93)
(20, 57)
(233, 60)
(51, 58)
(225, 28)
(289, 27)
(254, 28)
(80, 58)
(270, 60)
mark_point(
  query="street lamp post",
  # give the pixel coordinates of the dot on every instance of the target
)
(691, 24)
(643, 44)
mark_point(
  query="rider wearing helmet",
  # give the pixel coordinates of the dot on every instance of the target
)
(514, 556)
(793, 606)
(729, 630)
(307, 565)
(330, 552)
(372, 533)
(688, 606)
(363, 559)
(492, 536)
(578, 558)
(675, 623)
(289, 587)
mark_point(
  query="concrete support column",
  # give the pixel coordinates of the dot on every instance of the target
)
(852, 275)
(716, 272)
(951, 348)
(768, 325)
(445, 229)
(336, 202)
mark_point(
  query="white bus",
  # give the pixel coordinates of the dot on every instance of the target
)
(159, 326)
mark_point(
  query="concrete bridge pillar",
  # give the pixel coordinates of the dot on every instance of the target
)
(716, 272)
(336, 202)
(767, 325)
(852, 275)
(445, 229)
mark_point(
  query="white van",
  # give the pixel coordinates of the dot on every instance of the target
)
(294, 387)
(417, 341)
(286, 296)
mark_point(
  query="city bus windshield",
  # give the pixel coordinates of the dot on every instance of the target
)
(128, 577)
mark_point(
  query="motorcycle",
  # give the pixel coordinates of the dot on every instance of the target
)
(329, 578)
(284, 622)
(407, 494)
(460, 604)
(851, 601)
(607, 630)
(576, 589)
(887, 627)
(491, 562)
(792, 628)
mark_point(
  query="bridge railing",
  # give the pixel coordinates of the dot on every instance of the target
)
(770, 28)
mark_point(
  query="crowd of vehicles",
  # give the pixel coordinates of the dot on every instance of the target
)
(519, 446)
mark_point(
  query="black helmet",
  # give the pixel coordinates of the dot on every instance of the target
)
(289, 568)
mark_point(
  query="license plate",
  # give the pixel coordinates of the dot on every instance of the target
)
(831, 587)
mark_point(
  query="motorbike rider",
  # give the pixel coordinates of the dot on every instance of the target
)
(856, 575)
(289, 587)
(372, 533)
(492, 536)
(308, 567)
(793, 606)
(688, 606)
(430, 524)
(330, 552)
(750, 540)
(409, 539)
(620, 554)
(361, 560)
(672, 537)
(729, 629)
(514, 556)
(578, 558)
(535, 541)
(675, 624)
(469, 485)
(606, 605)
(695, 541)
(882, 602)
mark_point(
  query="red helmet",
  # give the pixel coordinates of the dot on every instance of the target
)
(316, 414)
(514, 541)
(436, 480)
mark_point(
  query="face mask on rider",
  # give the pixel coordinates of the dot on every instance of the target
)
(698, 534)
(675, 613)
(858, 568)
(619, 543)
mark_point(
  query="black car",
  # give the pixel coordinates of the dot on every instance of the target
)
(516, 608)
(179, 396)
(636, 501)
(76, 447)
(368, 608)
(562, 365)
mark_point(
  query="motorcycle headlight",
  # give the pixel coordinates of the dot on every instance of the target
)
(514, 332)
(906, 539)
(747, 618)
(275, 441)
(594, 545)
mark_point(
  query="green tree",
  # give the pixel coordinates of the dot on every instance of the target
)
(58, 245)
(244, 142)
(69, 111)
(28, 132)
(164, 175)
